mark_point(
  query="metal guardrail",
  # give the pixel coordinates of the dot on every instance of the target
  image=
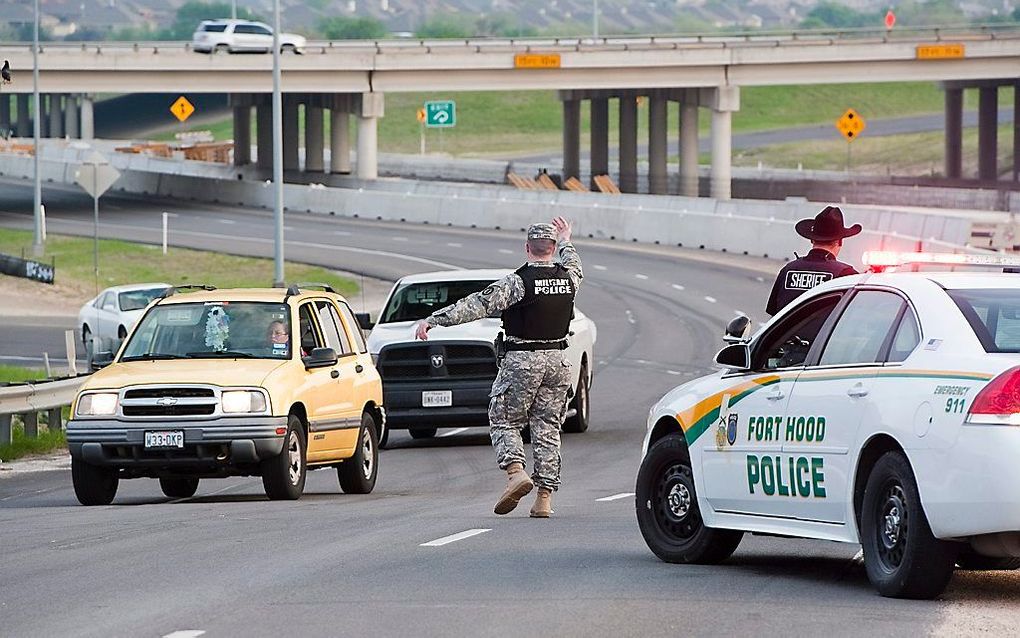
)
(482, 44)
(29, 399)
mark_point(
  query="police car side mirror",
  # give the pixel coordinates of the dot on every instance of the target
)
(736, 356)
(736, 329)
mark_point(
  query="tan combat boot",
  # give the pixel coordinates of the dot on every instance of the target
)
(543, 504)
(518, 486)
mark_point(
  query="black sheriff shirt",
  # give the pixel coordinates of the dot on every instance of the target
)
(803, 274)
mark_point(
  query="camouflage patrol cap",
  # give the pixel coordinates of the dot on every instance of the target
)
(542, 231)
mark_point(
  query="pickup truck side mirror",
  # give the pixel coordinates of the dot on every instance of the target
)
(736, 356)
(736, 329)
(364, 320)
(320, 358)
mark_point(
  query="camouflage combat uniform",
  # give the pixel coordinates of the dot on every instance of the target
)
(531, 387)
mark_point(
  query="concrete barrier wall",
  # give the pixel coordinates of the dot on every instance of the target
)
(752, 227)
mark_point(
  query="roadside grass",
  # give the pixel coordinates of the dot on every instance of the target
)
(501, 124)
(122, 262)
(22, 445)
(909, 154)
(17, 374)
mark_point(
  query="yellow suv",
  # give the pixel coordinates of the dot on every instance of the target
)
(216, 383)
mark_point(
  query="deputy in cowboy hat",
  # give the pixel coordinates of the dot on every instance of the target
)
(826, 232)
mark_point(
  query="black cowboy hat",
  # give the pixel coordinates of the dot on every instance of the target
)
(826, 226)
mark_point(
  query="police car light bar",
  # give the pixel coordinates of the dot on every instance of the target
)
(884, 259)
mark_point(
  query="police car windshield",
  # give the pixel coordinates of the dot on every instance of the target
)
(413, 302)
(994, 315)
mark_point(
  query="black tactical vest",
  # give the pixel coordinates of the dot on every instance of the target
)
(548, 304)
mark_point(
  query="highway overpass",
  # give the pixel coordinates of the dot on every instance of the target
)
(351, 78)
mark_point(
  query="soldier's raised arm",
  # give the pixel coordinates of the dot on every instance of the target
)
(567, 253)
(496, 298)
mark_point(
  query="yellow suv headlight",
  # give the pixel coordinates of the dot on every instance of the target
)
(97, 404)
(242, 401)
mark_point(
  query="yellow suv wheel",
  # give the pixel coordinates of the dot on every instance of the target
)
(357, 474)
(283, 476)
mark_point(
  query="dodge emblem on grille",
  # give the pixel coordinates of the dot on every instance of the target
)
(437, 361)
(166, 401)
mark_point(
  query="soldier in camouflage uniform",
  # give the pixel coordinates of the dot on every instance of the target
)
(536, 302)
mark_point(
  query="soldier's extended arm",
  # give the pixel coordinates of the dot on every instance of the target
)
(571, 261)
(494, 299)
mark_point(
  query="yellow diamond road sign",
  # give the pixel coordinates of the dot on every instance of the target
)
(182, 108)
(851, 125)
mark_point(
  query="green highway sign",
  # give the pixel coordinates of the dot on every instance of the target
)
(440, 114)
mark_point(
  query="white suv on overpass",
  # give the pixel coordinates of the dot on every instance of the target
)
(235, 36)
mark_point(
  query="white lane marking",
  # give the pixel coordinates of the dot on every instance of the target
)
(185, 633)
(288, 228)
(675, 373)
(678, 286)
(640, 276)
(614, 497)
(506, 251)
(453, 538)
(341, 233)
(399, 238)
(226, 221)
(761, 279)
(454, 432)
(630, 317)
(710, 299)
(454, 244)
(599, 267)
(260, 240)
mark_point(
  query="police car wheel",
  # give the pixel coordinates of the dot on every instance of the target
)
(179, 487)
(667, 509)
(283, 476)
(972, 561)
(93, 485)
(357, 474)
(902, 557)
(423, 433)
(580, 404)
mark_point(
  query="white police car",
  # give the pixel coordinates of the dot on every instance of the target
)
(880, 409)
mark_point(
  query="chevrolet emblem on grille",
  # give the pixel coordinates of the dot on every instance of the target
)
(437, 361)
(166, 401)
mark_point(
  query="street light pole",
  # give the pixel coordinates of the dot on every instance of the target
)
(233, 9)
(595, 19)
(37, 245)
(278, 279)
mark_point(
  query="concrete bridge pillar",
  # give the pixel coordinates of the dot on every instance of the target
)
(291, 130)
(340, 136)
(264, 135)
(24, 124)
(88, 121)
(689, 146)
(724, 101)
(988, 124)
(242, 135)
(56, 128)
(628, 143)
(599, 137)
(71, 116)
(371, 109)
(658, 181)
(954, 132)
(571, 135)
(314, 138)
(5, 115)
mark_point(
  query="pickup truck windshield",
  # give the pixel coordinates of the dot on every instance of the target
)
(212, 330)
(412, 302)
(994, 314)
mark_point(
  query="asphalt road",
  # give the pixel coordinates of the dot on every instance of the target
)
(229, 562)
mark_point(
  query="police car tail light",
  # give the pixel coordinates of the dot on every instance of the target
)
(879, 259)
(999, 402)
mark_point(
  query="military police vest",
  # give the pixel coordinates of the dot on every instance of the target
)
(544, 313)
